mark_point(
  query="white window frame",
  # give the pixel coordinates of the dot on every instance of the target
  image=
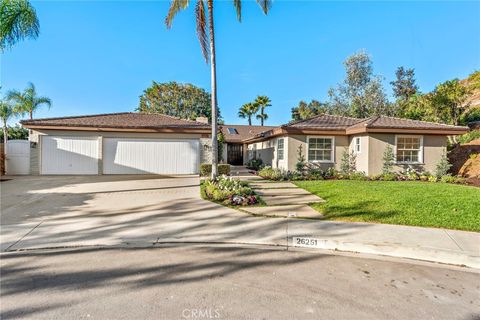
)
(283, 149)
(332, 152)
(420, 155)
(359, 145)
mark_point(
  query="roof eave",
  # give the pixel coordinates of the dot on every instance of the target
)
(165, 129)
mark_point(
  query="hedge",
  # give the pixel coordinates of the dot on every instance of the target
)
(206, 169)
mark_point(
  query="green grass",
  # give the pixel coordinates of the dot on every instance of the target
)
(407, 203)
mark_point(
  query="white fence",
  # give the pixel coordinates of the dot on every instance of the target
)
(17, 157)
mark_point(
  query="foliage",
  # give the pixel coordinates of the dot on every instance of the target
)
(206, 169)
(221, 141)
(18, 22)
(440, 205)
(404, 85)
(470, 115)
(388, 160)
(443, 166)
(229, 191)
(27, 102)
(15, 133)
(300, 165)
(361, 94)
(255, 164)
(348, 162)
(469, 136)
(7, 111)
(247, 111)
(181, 100)
(278, 174)
(306, 110)
(262, 102)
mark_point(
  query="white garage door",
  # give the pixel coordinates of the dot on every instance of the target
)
(69, 155)
(143, 156)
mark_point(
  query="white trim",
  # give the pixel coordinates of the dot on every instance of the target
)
(283, 149)
(420, 156)
(332, 152)
(359, 145)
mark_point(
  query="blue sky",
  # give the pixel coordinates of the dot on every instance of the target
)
(98, 57)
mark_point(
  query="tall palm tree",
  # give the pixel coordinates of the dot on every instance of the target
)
(18, 21)
(28, 101)
(263, 102)
(247, 111)
(207, 44)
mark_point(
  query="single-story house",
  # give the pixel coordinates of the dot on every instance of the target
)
(323, 139)
(138, 143)
(234, 150)
(118, 143)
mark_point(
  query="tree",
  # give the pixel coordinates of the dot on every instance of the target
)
(247, 111)
(308, 110)
(18, 22)
(348, 162)
(28, 101)
(6, 113)
(207, 44)
(448, 102)
(15, 133)
(404, 85)
(388, 160)
(361, 94)
(262, 102)
(181, 100)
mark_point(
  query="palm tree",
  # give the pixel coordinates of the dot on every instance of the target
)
(263, 102)
(28, 101)
(18, 21)
(247, 111)
(6, 113)
(207, 44)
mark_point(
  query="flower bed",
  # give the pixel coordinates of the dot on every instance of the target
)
(229, 191)
(330, 174)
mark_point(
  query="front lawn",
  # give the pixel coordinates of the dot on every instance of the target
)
(411, 203)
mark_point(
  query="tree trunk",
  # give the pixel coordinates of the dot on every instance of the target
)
(261, 118)
(5, 139)
(250, 120)
(30, 113)
(214, 91)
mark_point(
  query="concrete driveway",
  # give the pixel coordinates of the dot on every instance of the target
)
(58, 211)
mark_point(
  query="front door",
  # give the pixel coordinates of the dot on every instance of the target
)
(235, 154)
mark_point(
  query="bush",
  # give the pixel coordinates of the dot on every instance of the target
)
(388, 177)
(469, 136)
(442, 167)
(447, 179)
(388, 160)
(348, 163)
(360, 176)
(206, 169)
(255, 164)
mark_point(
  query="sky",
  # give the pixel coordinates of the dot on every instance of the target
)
(98, 56)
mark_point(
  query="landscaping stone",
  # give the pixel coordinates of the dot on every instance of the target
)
(294, 211)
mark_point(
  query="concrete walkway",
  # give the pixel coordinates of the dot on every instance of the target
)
(57, 212)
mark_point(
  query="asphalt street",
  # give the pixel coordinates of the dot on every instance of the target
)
(225, 282)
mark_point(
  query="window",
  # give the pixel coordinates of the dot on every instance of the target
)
(320, 149)
(357, 145)
(280, 149)
(232, 131)
(409, 149)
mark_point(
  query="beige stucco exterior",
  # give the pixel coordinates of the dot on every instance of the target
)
(369, 160)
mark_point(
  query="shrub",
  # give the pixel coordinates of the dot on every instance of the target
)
(442, 167)
(388, 177)
(469, 136)
(409, 174)
(255, 164)
(388, 160)
(206, 169)
(360, 176)
(348, 163)
(432, 179)
(447, 179)
(300, 165)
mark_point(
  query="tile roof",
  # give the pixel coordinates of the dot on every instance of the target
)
(124, 120)
(399, 123)
(243, 131)
(325, 122)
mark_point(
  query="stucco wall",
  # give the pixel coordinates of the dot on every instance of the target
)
(433, 148)
(362, 156)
